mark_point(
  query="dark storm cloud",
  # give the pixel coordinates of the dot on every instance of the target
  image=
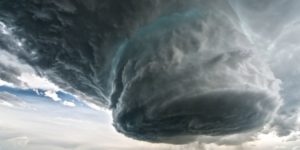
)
(169, 70)
(192, 87)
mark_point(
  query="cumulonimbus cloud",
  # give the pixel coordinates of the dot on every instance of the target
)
(168, 70)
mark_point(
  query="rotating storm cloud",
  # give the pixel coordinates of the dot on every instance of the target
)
(169, 71)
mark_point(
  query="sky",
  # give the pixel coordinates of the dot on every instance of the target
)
(152, 74)
(30, 120)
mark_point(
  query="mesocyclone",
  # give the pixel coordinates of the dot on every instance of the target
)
(168, 70)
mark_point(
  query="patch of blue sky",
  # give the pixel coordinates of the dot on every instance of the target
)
(38, 96)
(37, 102)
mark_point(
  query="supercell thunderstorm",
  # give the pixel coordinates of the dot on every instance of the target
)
(169, 70)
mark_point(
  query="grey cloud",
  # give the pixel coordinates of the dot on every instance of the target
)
(279, 36)
(169, 70)
(12, 68)
(287, 50)
(10, 74)
(7, 99)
